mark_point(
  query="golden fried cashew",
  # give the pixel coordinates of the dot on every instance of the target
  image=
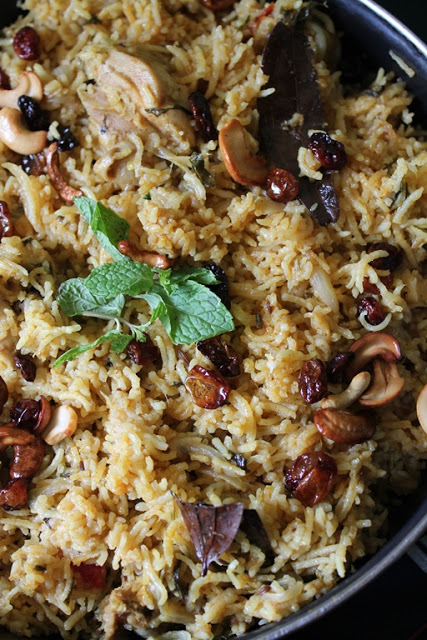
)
(422, 407)
(370, 346)
(357, 386)
(62, 425)
(244, 167)
(152, 259)
(29, 84)
(66, 192)
(343, 427)
(386, 386)
(29, 451)
(16, 136)
(45, 415)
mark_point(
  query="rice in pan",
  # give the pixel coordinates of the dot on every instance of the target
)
(181, 490)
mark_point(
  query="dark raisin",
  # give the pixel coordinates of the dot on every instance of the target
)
(222, 289)
(35, 117)
(67, 140)
(26, 43)
(208, 389)
(372, 309)
(282, 186)
(34, 164)
(14, 495)
(222, 356)
(4, 394)
(202, 116)
(143, 352)
(218, 5)
(329, 152)
(91, 575)
(337, 367)
(25, 413)
(388, 263)
(310, 478)
(26, 366)
(313, 381)
(4, 80)
(6, 224)
(370, 287)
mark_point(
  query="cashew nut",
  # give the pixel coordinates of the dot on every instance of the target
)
(370, 346)
(357, 386)
(15, 136)
(29, 84)
(244, 167)
(422, 407)
(62, 424)
(344, 428)
(66, 192)
(152, 259)
(386, 386)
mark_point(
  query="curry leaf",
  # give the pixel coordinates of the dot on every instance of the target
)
(198, 164)
(108, 227)
(211, 529)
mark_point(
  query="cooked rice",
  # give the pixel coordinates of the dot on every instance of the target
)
(104, 496)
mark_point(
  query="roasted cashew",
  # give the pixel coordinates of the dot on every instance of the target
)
(29, 84)
(15, 136)
(62, 424)
(357, 386)
(66, 192)
(422, 407)
(386, 386)
(152, 259)
(370, 346)
(343, 427)
(244, 167)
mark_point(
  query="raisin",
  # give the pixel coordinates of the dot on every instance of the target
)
(4, 80)
(313, 381)
(202, 116)
(34, 164)
(4, 393)
(6, 224)
(26, 366)
(26, 44)
(222, 356)
(310, 478)
(388, 263)
(67, 140)
(14, 495)
(370, 287)
(143, 352)
(222, 289)
(25, 413)
(329, 152)
(92, 576)
(35, 117)
(208, 389)
(282, 186)
(337, 367)
(372, 309)
(218, 5)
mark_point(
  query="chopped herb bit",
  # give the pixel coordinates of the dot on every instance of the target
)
(198, 164)
(147, 196)
(40, 567)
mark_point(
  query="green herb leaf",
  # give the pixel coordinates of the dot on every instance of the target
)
(199, 274)
(76, 299)
(198, 163)
(117, 337)
(127, 276)
(120, 342)
(108, 227)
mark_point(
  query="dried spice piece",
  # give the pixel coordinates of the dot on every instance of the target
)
(91, 575)
(222, 355)
(26, 366)
(282, 186)
(4, 80)
(310, 478)
(67, 140)
(26, 44)
(211, 529)
(34, 116)
(287, 60)
(198, 163)
(202, 115)
(222, 289)
(387, 263)
(313, 381)
(255, 531)
(371, 308)
(143, 352)
(6, 224)
(34, 164)
(208, 389)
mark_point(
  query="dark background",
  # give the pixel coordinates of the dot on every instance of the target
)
(413, 13)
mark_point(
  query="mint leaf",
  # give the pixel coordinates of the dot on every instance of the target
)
(120, 342)
(199, 274)
(126, 277)
(76, 299)
(116, 336)
(192, 312)
(108, 227)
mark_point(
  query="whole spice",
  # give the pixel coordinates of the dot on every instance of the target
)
(26, 43)
(202, 116)
(6, 224)
(310, 478)
(313, 381)
(222, 356)
(372, 310)
(26, 366)
(143, 352)
(329, 152)
(282, 186)
(208, 389)
(35, 118)
(254, 529)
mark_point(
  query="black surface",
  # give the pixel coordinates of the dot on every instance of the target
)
(413, 13)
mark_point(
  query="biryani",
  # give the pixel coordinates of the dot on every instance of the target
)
(213, 327)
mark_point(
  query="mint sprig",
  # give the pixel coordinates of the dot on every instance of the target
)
(180, 299)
